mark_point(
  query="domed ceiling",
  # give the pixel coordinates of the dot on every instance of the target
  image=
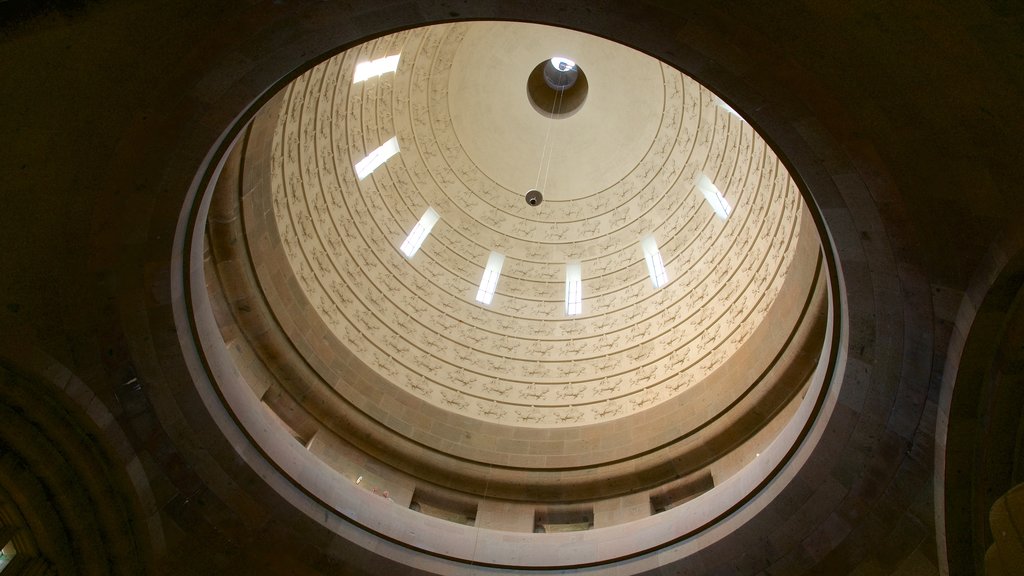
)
(649, 347)
(650, 157)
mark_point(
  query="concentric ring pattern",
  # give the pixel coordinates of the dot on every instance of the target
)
(521, 360)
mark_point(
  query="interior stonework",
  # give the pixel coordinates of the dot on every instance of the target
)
(522, 360)
(649, 406)
(899, 123)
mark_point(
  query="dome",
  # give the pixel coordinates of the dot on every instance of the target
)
(659, 322)
(171, 405)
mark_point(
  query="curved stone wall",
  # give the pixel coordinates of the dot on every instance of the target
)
(310, 294)
(911, 156)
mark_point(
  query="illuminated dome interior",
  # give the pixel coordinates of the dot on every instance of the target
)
(173, 401)
(695, 345)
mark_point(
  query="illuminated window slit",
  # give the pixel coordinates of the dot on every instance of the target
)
(573, 288)
(374, 68)
(489, 282)
(714, 197)
(655, 265)
(7, 553)
(721, 104)
(419, 232)
(374, 159)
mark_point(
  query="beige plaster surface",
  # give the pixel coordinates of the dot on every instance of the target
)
(522, 360)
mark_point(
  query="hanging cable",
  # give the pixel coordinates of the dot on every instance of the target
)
(559, 97)
(547, 150)
(547, 137)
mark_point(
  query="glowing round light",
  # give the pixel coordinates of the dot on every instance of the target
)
(562, 64)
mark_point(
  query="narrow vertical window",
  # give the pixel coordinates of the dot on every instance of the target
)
(374, 68)
(374, 159)
(714, 197)
(573, 288)
(721, 104)
(419, 232)
(7, 553)
(490, 280)
(655, 266)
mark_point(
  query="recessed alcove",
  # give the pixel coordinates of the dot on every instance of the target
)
(681, 491)
(444, 507)
(557, 519)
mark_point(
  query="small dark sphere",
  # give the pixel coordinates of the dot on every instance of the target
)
(534, 197)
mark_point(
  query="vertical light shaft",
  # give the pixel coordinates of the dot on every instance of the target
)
(419, 232)
(573, 288)
(489, 282)
(655, 265)
(374, 68)
(714, 197)
(374, 159)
